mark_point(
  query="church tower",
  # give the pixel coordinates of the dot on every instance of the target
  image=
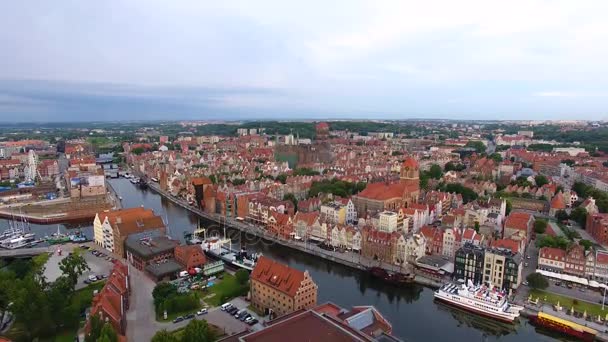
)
(410, 180)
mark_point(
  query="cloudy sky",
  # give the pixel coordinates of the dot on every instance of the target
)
(156, 59)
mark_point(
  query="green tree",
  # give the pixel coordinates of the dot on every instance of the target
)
(7, 280)
(197, 331)
(281, 178)
(569, 162)
(96, 326)
(31, 307)
(242, 276)
(164, 336)
(162, 292)
(435, 171)
(540, 226)
(561, 215)
(586, 243)
(477, 226)
(138, 150)
(496, 157)
(73, 266)
(107, 334)
(579, 214)
(477, 145)
(537, 281)
(541, 180)
(508, 207)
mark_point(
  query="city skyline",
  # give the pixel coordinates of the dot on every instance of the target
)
(193, 60)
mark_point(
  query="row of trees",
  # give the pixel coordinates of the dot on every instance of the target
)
(195, 331)
(335, 187)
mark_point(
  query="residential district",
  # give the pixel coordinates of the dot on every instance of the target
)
(518, 209)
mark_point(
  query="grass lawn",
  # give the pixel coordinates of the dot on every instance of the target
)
(567, 303)
(85, 295)
(224, 290)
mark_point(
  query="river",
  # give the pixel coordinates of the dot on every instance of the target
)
(411, 309)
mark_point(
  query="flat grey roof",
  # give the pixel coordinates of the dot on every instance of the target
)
(169, 267)
(147, 248)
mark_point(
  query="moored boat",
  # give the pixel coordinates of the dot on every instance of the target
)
(479, 299)
(391, 277)
(563, 326)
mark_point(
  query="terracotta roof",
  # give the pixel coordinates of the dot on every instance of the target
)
(518, 221)
(139, 225)
(308, 218)
(602, 258)
(552, 253)
(410, 163)
(278, 276)
(558, 202)
(201, 181)
(382, 191)
(506, 244)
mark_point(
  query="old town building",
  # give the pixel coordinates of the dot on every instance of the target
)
(280, 289)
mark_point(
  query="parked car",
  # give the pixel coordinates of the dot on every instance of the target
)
(246, 317)
(178, 319)
(201, 312)
(232, 310)
(569, 286)
(225, 306)
(189, 316)
(525, 283)
(252, 322)
(92, 278)
(558, 283)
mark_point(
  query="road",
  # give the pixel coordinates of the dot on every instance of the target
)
(141, 317)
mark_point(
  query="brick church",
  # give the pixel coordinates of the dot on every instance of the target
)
(377, 197)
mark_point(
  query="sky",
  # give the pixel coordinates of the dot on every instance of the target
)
(65, 60)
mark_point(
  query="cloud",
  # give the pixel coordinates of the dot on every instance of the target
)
(391, 58)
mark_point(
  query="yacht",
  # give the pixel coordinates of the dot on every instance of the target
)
(24, 240)
(479, 299)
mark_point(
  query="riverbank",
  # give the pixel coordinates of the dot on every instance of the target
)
(61, 210)
(352, 260)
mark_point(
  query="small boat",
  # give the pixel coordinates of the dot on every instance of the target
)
(25, 240)
(394, 278)
(564, 326)
(57, 238)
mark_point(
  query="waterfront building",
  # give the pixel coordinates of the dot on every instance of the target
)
(502, 268)
(334, 212)
(551, 259)
(378, 245)
(112, 227)
(469, 263)
(155, 255)
(190, 256)
(281, 289)
(415, 247)
(575, 261)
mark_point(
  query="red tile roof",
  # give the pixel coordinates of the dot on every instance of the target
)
(410, 163)
(278, 276)
(518, 221)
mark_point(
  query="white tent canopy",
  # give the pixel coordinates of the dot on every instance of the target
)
(565, 277)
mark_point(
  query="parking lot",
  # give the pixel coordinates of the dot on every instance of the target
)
(98, 265)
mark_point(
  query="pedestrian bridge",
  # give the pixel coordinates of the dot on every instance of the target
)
(23, 253)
